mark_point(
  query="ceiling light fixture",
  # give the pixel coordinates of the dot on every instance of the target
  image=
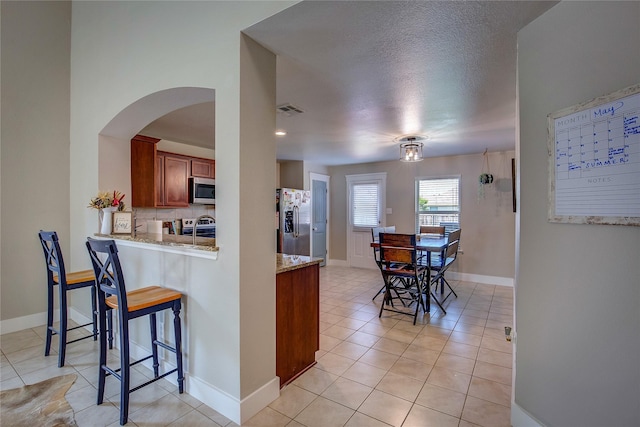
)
(281, 133)
(411, 148)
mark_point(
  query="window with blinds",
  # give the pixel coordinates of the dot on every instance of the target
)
(438, 202)
(366, 205)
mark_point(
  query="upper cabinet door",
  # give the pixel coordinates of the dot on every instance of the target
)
(203, 168)
(159, 182)
(145, 171)
(176, 180)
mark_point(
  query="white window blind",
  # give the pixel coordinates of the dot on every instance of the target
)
(366, 205)
(438, 202)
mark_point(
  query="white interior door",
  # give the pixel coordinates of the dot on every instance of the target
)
(319, 220)
(366, 202)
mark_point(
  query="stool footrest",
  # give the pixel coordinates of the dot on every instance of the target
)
(115, 373)
(112, 372)
(57, 332)
(54, 331)
(165, 346)
(159, 377)
(80, 339)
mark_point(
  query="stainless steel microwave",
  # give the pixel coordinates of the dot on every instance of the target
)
(202, 191)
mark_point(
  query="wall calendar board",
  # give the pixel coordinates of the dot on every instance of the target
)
(594, 161)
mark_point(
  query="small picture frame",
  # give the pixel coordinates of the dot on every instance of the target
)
(122, 223)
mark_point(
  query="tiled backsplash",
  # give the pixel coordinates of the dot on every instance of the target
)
(193, 211)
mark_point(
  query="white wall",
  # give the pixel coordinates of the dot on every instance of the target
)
(256, 190)
(308, 169)
(577, 286)
(119, 56)
(34, 191)
(292, 174)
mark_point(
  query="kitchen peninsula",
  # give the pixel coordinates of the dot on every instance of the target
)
(297, 315)
(205, 247)
(182, 266)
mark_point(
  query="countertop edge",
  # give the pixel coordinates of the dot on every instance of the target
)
(285, 262)
(146, 242)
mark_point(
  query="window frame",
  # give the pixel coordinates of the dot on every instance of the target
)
(418, 212)
(380, 180)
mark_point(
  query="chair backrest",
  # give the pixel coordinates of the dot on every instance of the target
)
(375, 233)
(52, 256)
(432, 229)
(375, 237)
(454, 235)
(453, 242)
(398, 248)
(452, 249)
(108, 272)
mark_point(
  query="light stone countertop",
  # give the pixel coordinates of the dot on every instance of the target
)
(286, 262)
(202, 243)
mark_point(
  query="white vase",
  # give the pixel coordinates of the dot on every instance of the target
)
(105, 218)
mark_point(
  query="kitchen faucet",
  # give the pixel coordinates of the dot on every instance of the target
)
(195, 225)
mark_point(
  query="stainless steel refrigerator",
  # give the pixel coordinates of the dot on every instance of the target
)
(293, 218)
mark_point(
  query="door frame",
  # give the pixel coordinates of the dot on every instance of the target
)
(327, 179)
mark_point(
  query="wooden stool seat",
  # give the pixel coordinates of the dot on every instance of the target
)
(145, 297)
(78, 277)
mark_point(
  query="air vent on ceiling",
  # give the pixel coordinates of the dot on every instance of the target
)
(288, 109)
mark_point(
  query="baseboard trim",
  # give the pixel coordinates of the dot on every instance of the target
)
(229, 406)
(467, 277)
(521, 418)
(479, 278)
(26, 322)
(80, 318)
(337, 263)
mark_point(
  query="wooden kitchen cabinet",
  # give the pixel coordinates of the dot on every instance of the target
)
(174, 190)
(160, 179)
(203, 168)
(144, 180)
(297, 321)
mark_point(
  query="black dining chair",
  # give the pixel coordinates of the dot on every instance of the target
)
(432, 229)
(375, 237)
(440, 263)
(406, 278)
(112, 295)
(57, 276)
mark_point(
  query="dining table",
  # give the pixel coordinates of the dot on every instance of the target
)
(426, 243)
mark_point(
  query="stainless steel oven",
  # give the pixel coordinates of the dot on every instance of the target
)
(202, 191)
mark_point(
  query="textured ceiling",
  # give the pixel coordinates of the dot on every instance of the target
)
(366, 73)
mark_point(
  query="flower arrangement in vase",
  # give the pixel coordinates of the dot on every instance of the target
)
(106, 203)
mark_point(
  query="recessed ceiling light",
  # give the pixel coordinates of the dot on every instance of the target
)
(281, 133)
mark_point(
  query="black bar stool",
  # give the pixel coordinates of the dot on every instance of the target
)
(57, 276)
(112, 295)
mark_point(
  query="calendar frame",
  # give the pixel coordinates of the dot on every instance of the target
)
(632, 92)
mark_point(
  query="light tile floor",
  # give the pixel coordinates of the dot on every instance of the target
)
(447, 370)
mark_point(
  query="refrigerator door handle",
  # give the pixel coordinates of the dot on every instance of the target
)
(296, 221)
